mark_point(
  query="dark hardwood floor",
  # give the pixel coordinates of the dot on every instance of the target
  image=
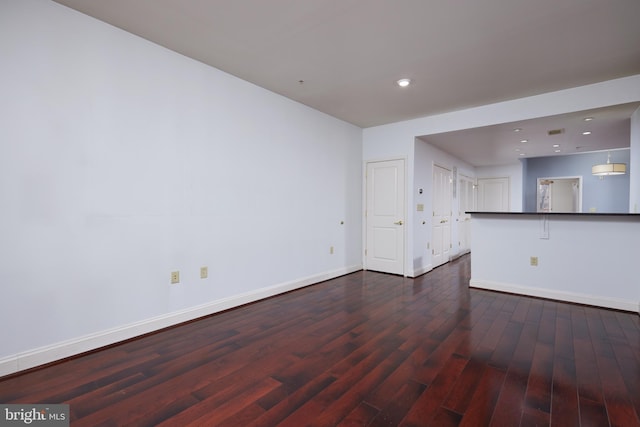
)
(366, 349)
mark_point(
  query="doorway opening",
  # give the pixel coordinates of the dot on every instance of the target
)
(559, 194)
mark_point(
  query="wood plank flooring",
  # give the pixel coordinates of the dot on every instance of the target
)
(366, 349)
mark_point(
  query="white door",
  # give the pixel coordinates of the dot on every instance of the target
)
(467, 203)
(441, 230)
(385, 216)
(493, 194)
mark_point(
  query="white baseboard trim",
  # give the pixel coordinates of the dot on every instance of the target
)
(51, 353)
(599, 301)
(420, 271)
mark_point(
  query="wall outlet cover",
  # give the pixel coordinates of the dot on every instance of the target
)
(175, 277)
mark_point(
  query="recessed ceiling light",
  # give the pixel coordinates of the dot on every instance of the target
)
(517, 130)
(522, 154)
(588, 119)
(517, 149)
(524, 140)
(556, 145)
(587, 132)
(557, 151)
(404, 82)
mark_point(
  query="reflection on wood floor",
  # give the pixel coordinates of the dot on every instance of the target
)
(364, 349)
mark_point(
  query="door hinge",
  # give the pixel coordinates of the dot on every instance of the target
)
(365, 252)
(450, 245)
(433, 252)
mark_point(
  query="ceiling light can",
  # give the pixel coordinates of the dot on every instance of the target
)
(404, 82)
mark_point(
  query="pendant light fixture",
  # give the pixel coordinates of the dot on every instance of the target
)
(609, 168)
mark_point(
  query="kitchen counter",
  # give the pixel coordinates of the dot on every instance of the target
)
(587, 258)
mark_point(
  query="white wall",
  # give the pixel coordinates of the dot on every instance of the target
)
(425, 156)
(397, 139)
(634, 164)
(121, 161)
(634, 171)
(583, 259)
(386, 148)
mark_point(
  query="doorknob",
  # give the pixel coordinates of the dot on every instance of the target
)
(398, 222)
(443, 221)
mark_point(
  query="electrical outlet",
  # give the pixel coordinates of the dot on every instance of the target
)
(175, 277)
(204, 272)
(533, 261)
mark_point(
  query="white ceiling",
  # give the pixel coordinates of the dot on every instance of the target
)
(349, 53)
(500, 144)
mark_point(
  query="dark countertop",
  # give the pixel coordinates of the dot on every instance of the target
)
(590, 214)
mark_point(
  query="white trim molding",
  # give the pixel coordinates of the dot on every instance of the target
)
(422, 270)
(58, 351)
(595, 300)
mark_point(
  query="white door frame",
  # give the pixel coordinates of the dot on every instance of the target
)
(464, 219)
(557, 178)
(437, 220)
(407, 221)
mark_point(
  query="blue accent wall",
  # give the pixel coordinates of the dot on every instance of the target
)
(610, 194)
